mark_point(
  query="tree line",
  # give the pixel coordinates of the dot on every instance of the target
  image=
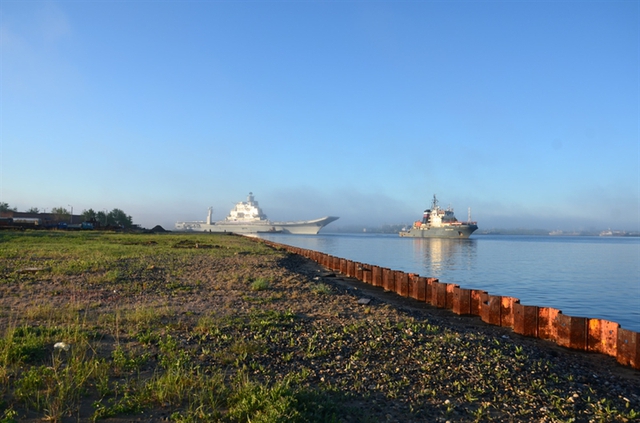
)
(115, 217)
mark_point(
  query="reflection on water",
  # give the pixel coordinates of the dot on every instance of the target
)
(438, 256)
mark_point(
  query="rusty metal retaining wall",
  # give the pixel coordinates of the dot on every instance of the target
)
(579, 333)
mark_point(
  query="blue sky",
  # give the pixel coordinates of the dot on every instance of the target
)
(527, 112)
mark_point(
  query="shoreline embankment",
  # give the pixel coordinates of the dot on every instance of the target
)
(577, 333)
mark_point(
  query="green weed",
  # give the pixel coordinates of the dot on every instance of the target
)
(321, 288)
(260, 284)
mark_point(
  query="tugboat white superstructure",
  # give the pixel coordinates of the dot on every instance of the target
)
(247, 218)
(440, 223)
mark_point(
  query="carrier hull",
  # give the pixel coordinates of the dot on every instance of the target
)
(307, 227)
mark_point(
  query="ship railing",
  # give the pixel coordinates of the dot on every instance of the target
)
(464, 223)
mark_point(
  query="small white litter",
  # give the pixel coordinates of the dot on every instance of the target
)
(61, 346)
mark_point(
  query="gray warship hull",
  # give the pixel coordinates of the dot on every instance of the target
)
(236, 228)
(306, 227)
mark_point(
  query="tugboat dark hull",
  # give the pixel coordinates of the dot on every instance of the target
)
(458, 231)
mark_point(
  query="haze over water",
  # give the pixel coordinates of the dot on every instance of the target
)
(596, 277)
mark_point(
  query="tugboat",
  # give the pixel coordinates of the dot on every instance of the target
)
(247, 218)
(440, 223)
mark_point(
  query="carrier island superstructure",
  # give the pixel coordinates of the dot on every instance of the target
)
(248, 218)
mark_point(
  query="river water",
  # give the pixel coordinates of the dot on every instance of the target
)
(596, 277)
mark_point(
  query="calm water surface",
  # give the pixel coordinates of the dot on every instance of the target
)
(597, 277)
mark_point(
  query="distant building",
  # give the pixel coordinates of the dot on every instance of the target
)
(46, 219)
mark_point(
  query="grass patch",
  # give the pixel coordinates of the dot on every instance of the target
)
(260, 284)
(321, 288)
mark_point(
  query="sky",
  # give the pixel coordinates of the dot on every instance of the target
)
(526, 112)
